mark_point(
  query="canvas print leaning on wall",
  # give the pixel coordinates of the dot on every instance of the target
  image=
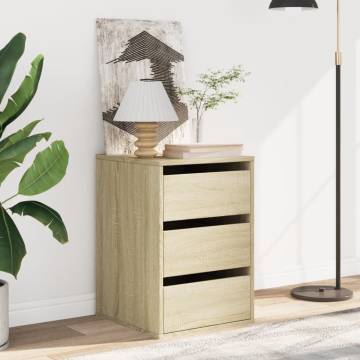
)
(133, 50)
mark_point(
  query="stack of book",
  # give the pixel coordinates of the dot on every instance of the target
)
(192, 151)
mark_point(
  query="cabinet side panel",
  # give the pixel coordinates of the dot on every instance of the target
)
(141, 235)
(107, 229)
(252, 219)
(131, 252)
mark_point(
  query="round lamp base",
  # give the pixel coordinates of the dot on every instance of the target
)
(147, 139)
(321, 293)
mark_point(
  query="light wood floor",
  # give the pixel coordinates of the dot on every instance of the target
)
(61, 339)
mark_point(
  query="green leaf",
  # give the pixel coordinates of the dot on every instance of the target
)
(23, 96)
(12, 247)
(6, 167)
(9, 57)
(19, 135)
(44, 214)
(14, 155)
(48, 169)
(18, 150)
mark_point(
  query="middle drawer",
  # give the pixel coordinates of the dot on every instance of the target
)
(204, 249)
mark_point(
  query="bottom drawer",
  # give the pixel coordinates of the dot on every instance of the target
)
(205, 303)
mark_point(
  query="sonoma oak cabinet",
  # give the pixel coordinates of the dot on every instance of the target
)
(175, 242)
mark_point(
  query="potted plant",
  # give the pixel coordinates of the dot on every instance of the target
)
(47, 169)
(213, 91)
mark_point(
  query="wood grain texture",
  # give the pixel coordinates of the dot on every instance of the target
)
(202, 195)
(206, 303)
(203, 249)
(161, 161)
(252, 245)
(133, 199)
(129, 244)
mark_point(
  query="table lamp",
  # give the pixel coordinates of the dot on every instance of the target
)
(318, 292)
(146, 104)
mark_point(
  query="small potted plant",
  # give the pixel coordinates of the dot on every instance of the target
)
(214, 90)
(47, 169)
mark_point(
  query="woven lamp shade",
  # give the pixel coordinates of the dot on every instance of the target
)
(146, 104)
(146, 101)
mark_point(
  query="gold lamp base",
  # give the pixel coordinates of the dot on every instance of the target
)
(146, 133)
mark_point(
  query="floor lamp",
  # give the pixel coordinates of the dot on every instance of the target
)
(317, 292)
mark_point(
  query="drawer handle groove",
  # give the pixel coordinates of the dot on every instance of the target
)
(212, 275)
(204, 168)
(204, 222)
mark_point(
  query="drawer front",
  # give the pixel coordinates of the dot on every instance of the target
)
(205, 303)
(201, 195)
(203, 249)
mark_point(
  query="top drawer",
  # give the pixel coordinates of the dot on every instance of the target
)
(208, 194)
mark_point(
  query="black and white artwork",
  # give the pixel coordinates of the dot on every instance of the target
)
(133, 50)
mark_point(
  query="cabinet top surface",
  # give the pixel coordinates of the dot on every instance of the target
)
(161, 161)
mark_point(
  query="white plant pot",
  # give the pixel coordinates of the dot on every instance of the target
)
(4, 315)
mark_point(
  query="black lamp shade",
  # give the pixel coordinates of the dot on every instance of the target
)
(276, 4)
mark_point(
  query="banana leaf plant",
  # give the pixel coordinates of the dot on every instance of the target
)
(47, 169)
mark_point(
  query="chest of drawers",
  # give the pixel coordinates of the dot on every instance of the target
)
(174, 242)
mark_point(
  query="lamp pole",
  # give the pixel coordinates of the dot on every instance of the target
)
(338, 63)
(318, 292)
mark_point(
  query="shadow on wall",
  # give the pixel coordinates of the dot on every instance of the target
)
(294, 132)
(309, 226)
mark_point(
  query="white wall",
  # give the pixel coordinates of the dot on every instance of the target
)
(285, 117)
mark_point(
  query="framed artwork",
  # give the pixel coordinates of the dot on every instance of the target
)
(133, 50)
